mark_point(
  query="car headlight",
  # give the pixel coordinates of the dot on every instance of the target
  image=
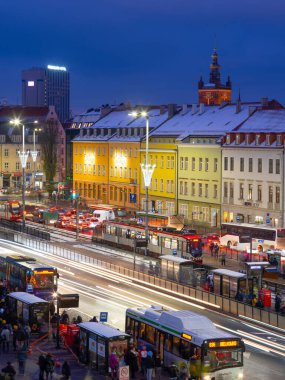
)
(240, 375)
(207, 377)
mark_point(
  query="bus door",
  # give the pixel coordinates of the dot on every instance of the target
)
(160, 344)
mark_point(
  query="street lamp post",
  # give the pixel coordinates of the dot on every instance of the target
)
(34, 153)
(23, 157)
(147, 170)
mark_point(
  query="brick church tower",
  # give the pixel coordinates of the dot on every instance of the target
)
(214, 92)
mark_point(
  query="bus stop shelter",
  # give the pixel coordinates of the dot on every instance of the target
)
(97, 342)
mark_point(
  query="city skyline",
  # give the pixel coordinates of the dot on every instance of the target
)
(145, 53)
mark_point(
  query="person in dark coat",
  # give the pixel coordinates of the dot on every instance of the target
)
(277, 302)
(9, 370)
(131, 359)
(42, 366)
(65, 371)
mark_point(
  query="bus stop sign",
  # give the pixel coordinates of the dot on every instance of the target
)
(103, 316)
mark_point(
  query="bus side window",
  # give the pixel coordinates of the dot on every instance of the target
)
(185, 349)
(175, 345)
(142, 331)
(167, 343)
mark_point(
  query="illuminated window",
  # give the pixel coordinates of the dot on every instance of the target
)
(215, 191)
(206, 164)
(193, 163)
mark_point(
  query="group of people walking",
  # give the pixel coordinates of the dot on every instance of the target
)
(215, 252)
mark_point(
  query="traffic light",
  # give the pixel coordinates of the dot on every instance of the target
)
(74, 194)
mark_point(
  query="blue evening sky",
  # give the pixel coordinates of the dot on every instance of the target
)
(144, 51)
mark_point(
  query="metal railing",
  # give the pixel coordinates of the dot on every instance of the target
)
(225, 304)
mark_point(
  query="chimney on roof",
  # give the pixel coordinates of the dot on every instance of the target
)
(184, 109)
(161, 110)
(264, 102)
(202, 108)
(171, 110)
(105, 110)
(194, 108)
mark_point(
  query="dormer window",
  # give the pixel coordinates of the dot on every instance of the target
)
(237, 139)
(257, 139)
(228, 139)
(247, 139)
(267, 139)
(279, 140)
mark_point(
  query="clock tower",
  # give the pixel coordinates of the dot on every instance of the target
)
(214, 92)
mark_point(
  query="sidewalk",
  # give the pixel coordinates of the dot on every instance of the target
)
(78, 371)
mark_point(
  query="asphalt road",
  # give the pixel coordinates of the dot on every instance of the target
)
(103, 290)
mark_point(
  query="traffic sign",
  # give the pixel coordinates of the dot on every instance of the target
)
(174, 253)
(267, 220)
(133, 198)
(124, 373)
(237, 218)
(29, 288)
(103, 316)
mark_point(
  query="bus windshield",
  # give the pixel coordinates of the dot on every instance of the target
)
(43, 280)
(219, 359)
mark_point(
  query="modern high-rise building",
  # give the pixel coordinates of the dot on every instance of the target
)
(47, 87)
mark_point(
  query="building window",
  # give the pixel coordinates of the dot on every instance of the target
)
(232, 168)
(277, 166)
(186, 163)
(237, 139)
(241, 164)
(206, 190)
(99, 170)
(28, 165)
(225, 189)
(215, 164)
(155, 184)
(172, 162)
(161, 185)
(183, 210)
(279, 140)
(270, 165)
(181, 163)
(161, 162)
(135, 174)
(85, 168)
(185, 188)
(193, 188)
(200, 164)
(250, 164)
(225, 163)
(231, 190)
(193, 163)
(259, 165)
(259, 193)
(270, 194)
(103, 170)
(249, 195)
(205, 214)
(18, 166)
(215, 191)
(257, 139)
(94, 170)
(6, 165)
(228, 140)
(6, 152)
(277, 194)
(167, 162)
(206, 164)
(200, 189)
(241, 191)
(267, 140)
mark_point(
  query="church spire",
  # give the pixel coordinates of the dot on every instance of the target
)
(215, 76)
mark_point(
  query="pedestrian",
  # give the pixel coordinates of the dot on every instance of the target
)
(10, 371)
(183, 372)
(131, 359)
(173, 371)
(211, 247)
(114, 364)
(27, 330)
(65, 371)
(149, 364)
(158, 366)
(277, 302)
(42, 366)
(223, 255)
(22, 356)
(143, 356)
(216, 250)
(49, 367)
(5, 338)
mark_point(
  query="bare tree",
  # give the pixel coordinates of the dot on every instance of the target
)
(49, 140)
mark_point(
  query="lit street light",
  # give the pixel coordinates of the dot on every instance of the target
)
(34, 152)
(147, 170)
(23, 157)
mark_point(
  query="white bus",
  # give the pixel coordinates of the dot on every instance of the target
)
(263, 237)
(190, 340)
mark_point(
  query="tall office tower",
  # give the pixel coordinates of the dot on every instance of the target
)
(47, 87)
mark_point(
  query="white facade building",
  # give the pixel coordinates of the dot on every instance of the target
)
(253, 170)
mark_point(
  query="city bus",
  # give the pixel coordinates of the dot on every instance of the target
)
(11, 210)
(263, 237)
(190, 340)
(25, 274)
(123, 234)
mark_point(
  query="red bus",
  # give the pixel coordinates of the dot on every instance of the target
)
(11, 210)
